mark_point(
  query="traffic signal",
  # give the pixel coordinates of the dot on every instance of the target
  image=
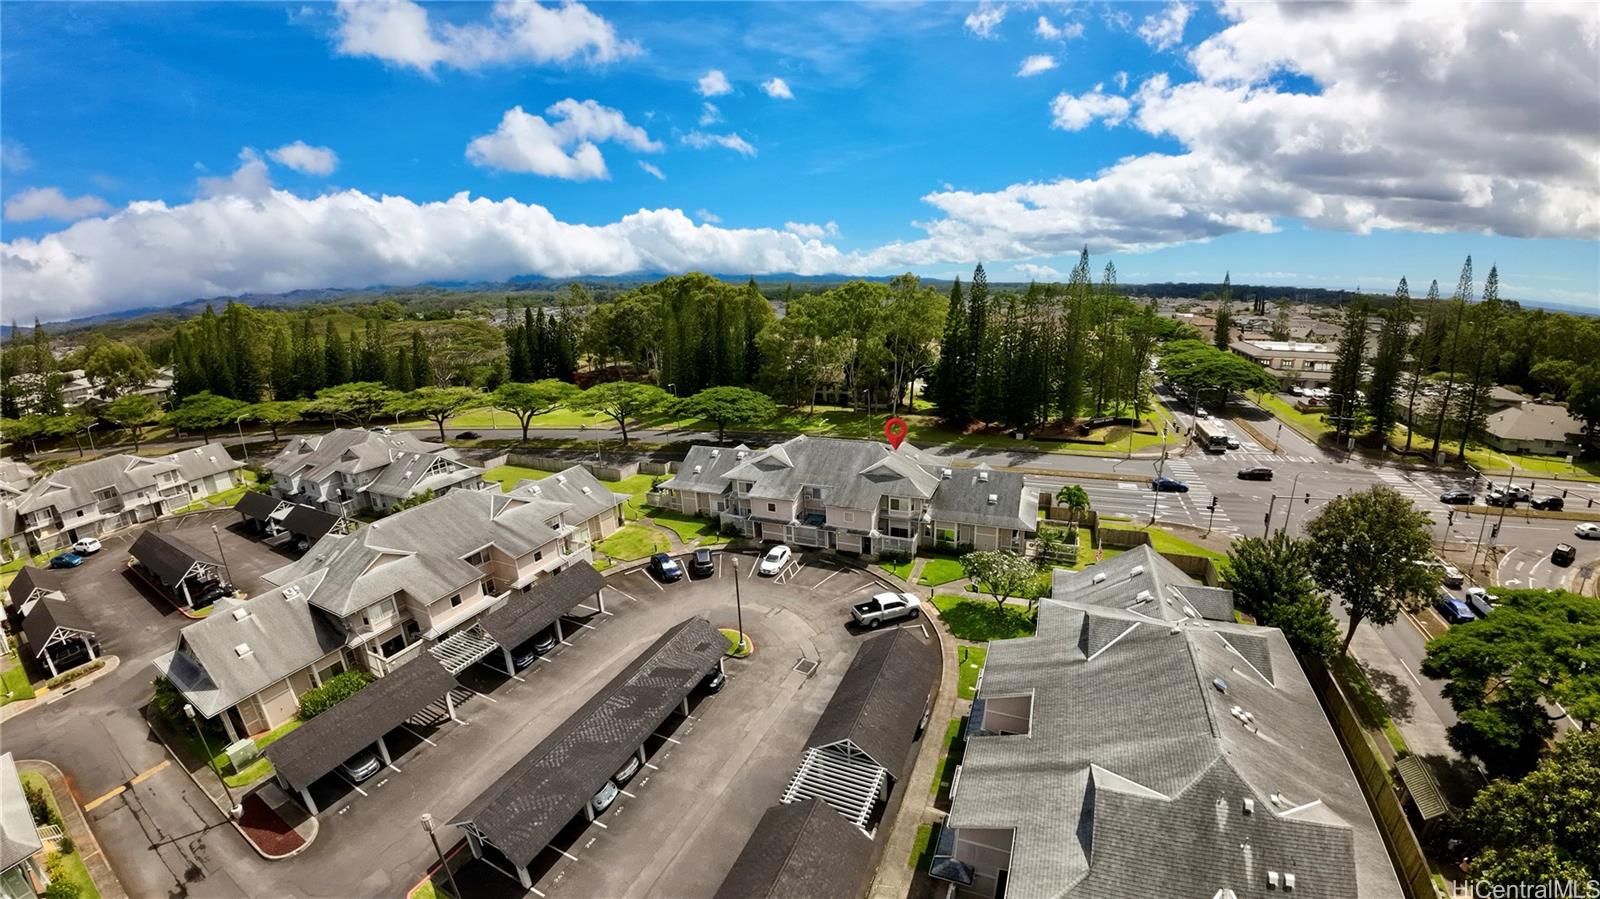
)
(1308, 499)
(1494, 531)
(1213, 506)
(1450, 518)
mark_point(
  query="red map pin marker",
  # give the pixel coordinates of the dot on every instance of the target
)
(895, 429)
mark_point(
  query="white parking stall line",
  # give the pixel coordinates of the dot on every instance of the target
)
(651, 767)
(623, 592)
(566, 853)
(602, 825)
(418, 736)
(828, 578)
(579, 624)
(670, 740)
(353, 785)
(626, 793)
(656, 585)
(484, 695)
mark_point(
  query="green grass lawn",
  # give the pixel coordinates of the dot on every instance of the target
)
(691, 529)
(507, 476)
(921, 848)
(901, 570)
(971, 659)
(1368, 704)
(732, 636)
(1164, 542)
(633, 541)
(424, 890)
(227, 497)
(981, 620)
(941, 570)
(14, 679)
(1488, 459)
(1309, 424)
(72, 863)
(954, 750)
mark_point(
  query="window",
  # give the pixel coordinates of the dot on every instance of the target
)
(455, 600)
(334, 670)
(478, 558)
(814, 492)
(538, 554)
(899, 504)
(771, 507)
(80, 513)
(849, 517)
(392, 646)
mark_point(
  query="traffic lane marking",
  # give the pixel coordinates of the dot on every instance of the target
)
(139, 778)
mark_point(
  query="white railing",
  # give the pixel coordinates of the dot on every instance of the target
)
(744, 526)
(885, 544)
(805, 536)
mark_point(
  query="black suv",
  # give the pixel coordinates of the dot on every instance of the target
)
(1456, 498)
(1564, 554)
(701, 564)
(1549, 503)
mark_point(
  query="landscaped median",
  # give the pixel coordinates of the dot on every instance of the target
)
(64, 864)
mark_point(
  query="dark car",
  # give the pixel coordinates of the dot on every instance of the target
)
(213, 593)
(1501, 499)
(1453, 610)
(701, 564)
(712, 683)
(538, 645)
(1549, 503)
(1456, 498)
(1255, 474)
(1564, 554)
(1168, 485)
(665, 567)
(66, 560)
(468, 435)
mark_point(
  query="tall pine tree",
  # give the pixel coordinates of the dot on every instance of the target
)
(1222, 336)
(950, 389)
(1452, 355)
(1345, 382)
(1475, 392)
(1388, 364)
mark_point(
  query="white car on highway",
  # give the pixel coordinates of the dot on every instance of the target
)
(1588, 530)
(774, 560)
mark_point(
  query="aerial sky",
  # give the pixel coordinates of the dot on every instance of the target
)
(154, 153)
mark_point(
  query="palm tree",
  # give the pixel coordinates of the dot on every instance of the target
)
(1076, 501)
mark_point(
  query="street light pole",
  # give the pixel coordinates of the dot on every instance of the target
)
(738, 606)
(233, 807)
(427, 824)
(225, 572)
(1289, 506)
(240, 428)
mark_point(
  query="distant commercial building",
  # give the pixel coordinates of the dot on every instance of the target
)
(1542, 428)
(1295, 363)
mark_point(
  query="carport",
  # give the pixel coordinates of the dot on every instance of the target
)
(521, 812)
(58, 633)
(304, 524)
(316, 748)
(800, 849)
(262, 511)
(540, 606)
(174, 564)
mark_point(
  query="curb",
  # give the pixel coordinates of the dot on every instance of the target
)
(13, 709)
(106, 880)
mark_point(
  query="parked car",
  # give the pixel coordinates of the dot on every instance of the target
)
(66, 560)
(1501, 498)
(1453, 610)
(1587, 531)
(88, 546)
(774, 560)
(1549, 503)
(1564, 554)
(1456, 498)
(885, 607)
(1521, 493)
(380, 429)
(1450, 575)
(1168, 485)
(626, 772)
(665, 567)
(213, 593)
(603, 799)
(1255, 474)
(1481, 601)
(468, 435)
(712, 683)
(534, 647)
(361, 766)
(1233, 443)
(701, 564)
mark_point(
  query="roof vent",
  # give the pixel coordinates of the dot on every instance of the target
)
(944, 474)
(740, 455)
(1099, 576)
(983, 477)
(1288, 881)
(1143, 596)
(587, 491)
(697, 469)
(1272, 880)
(1137, 570)
(240, 614)
(242, 650)
(1249, 806)
(994, 498)
(291, 592)
(1189, 610)
(714, 453)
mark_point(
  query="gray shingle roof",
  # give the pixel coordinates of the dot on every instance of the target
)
(964, 496)
(853, 473)
(1534, 421)
(800, 850)
(258, 506)
(882, 697)
(713, 464)
(204, 461)
(30, 579)
(51, 612)
(281, 631)
(521, 811)
(576, 487)
(167, 557)
(349, 450)
(15, 476)
(530, 612)
(321, 744)
(420, 550)
(1136, 745)
(19, 837)
(1143, 580)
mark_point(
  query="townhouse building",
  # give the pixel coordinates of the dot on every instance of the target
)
(417, 581)
(350, 470)
(114, 492)
(855, 496)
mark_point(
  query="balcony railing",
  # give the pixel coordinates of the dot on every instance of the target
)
(743, 525)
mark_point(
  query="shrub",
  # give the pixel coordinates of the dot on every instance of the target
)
(415, 499)
(894, 558)
(39, 805)
(333, 691)
(61, 885)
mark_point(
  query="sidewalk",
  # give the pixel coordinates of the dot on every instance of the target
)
(77, 827)
(43, 695)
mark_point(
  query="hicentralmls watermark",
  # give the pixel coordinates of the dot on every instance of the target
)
(1551, 889)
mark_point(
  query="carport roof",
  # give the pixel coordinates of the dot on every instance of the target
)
(167, 557)
(32, 579)
(798, 851)
(309, 521)
(321, 744)
(526, 614)
(259, 506)
(49, 614)
(528, 805)
(880, 702)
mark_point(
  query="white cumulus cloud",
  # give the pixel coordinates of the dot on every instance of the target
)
(1037, 272)
(702, 140)
(50, 203)
(777, 89)
(1050, 31)
(306, 159)
(1070, 113)
(709, 114)
(983, 21)
(251, 179)
(517, 31)
(810, 231)
(1165, 29)
(707, 216)
(1037, 64)
(653, 170)
(14, 156)
(713, 84)
(564, 147)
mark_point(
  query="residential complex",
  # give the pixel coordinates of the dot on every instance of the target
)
(1295, 363)
(350, 470)
(854, 496)
(376, 598)
(1143, 744)
(113, 492)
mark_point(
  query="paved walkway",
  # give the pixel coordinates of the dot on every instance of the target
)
(77, 828)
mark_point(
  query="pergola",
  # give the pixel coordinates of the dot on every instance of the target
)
(52, 623)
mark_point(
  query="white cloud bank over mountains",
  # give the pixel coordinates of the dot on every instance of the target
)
(1427, 117)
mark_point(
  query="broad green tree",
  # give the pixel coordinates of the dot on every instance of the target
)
(1543, 828)
(1365, 550)
(725, 406)
(623, 400)
(527, 399)
(439, 404)
(204, 412)
(1271, 580)
(274, 414)
(135, 412)
(114, 368)
(357, 402)
(999, 573)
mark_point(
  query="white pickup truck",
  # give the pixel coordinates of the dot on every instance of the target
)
(885, 607)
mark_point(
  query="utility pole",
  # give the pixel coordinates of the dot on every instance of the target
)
(738, 607)
(1267, 522)
(427, 824)
(234, 809)
(225, 572)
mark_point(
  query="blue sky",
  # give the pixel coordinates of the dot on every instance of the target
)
(1179, 140)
